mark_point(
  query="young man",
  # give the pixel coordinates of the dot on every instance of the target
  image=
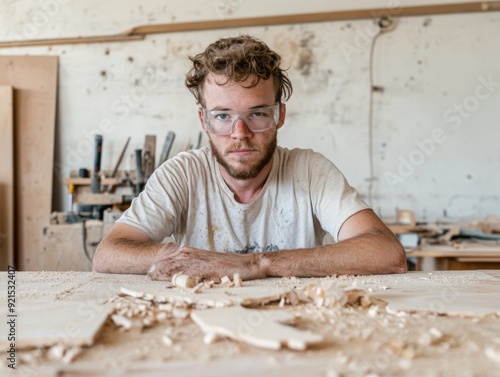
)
(243, 204)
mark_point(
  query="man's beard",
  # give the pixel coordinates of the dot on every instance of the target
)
(247, 172)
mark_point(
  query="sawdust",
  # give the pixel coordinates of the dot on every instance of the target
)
(361, 338)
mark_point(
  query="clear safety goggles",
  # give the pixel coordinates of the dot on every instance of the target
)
(221, 122)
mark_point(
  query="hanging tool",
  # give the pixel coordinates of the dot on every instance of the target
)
(95, 182)
(198, 144)
(139, 172)
(167, 145)
(71, 191)
(149, 156)
(188, 145)
(115, 170)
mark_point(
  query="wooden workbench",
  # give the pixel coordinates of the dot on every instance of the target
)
(468, 257)
(356, 343)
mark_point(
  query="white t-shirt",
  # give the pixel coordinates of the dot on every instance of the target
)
(304, 196)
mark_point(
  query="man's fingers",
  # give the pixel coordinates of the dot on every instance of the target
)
(155, 273)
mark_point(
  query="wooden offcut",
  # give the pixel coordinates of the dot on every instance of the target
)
(6, 177)
(261, 328)
(45, 324)
(34, 79)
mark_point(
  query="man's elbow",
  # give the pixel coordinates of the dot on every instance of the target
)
(98, 267)
(401, 268)
(98, 261)
(399, 265)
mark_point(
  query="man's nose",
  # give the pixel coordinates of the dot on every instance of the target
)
(240, 129)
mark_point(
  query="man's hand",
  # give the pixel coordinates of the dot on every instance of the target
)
(209, 265)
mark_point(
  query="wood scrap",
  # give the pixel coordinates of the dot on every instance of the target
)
(63, 324)
(167, 340)
(184, 281)
(62, 353)
(328, 294)
(490, 224)
(225, 281)
(237, 280)
(405, 217)
(261, 328)
(121, 321)
(493, 353)
(216, 296)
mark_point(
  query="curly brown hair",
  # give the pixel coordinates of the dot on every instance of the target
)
(237, 59)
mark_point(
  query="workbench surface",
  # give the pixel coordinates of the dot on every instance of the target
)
(358, 342)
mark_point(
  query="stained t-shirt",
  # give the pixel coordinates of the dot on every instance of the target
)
(304, 196)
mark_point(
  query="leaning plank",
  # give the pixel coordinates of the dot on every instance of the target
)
(34, 79)
(261, 328)
(6, 177)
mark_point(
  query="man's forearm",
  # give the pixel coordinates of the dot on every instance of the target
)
(123, 256)
(370, 253)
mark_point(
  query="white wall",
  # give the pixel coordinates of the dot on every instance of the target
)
(426, 66)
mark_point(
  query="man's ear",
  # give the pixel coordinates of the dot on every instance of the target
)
(202, 119)
(281, 122)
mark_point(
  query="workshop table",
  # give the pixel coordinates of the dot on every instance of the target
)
(358, 342)
(467, 257)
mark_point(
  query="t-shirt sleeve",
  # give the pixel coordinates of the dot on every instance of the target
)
(333, 199)
(157, 210)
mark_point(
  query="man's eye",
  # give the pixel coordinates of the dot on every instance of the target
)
(259, 114)
(221, 116)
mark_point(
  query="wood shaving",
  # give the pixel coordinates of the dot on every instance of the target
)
(121, 321)
(493, 354)
(210, 337)
(225, 281)
(71, 354)
(237, 280)
(167, 340)
(184, 281)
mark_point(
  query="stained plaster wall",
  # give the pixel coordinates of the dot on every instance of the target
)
(435, 122)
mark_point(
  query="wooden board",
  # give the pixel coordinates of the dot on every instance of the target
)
(6, 177)
(34, 79)
(44, 324)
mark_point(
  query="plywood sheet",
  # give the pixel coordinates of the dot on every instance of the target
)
(34, 79)
(6, 177)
